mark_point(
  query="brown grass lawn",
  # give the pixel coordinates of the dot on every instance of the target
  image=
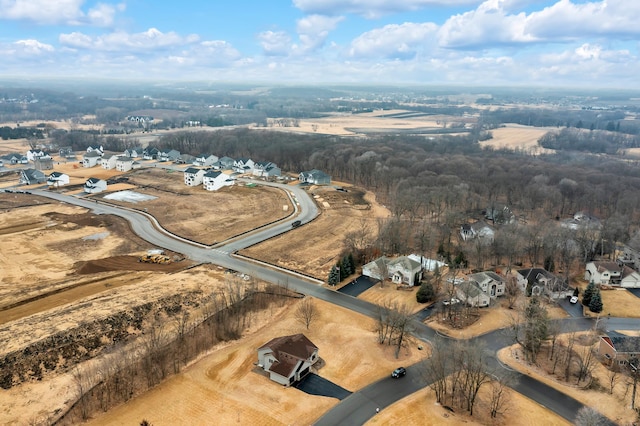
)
(615, 406)
(421, 409)
(224, 388)
(618, 303)
(515, 136)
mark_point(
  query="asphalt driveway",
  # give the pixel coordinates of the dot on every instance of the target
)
(316, 385)
(573, 309)
(358, 286)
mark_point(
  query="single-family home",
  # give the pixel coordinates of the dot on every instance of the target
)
(15, 158)
(314, 177)
(630, 256)
(150, 153)
(288, 359)
(185, 159)
(193, 176)
(205, 160)
(582, 220)
(243, 165)
(66, 152)
(213, 180)
(618, 349)
(95, 148)
(95, 185)
(43, 163)
(90, 159)
(489, 282)
(427, 264)
(481, 230)
(401, 270)
(224, 163)
(134, 152)
(108, 161)
(499, 214)
(57, 179)
(470, 293)
(538, 281)
(168, 155)
(612, 273)
(32, 176)
(266, 169)
(124, 164)
(32, 154)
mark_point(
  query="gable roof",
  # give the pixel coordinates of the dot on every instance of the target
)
(288, 350)
(192, 171)
(56, 174)
(93, 180)
(481, 277)
(624, 344)
(406, 263)
(470, 289)
(212, 174)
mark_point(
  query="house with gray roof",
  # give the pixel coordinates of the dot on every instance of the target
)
(90, 159)
(314, 177)
(224, 163)
(32, 176)
(193, 176)
(401, 270)
(213, 180)
(489, 282)
(612, 273)
(57, 179)
(205, 160)
(288, 359)
(539, 281)
(470, 293)
(616, 348)
(94, 185)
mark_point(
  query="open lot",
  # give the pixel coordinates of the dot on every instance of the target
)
(226, 387)
(518, 137)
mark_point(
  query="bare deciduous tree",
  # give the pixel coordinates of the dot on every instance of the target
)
(306, 312)
(499, 396)
(588, 416)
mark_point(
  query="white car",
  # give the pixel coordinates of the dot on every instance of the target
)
(574, 299)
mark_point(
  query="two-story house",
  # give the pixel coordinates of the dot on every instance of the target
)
(205, 160)
(193, 176)
(538, 281)
(489, 282)
(612, 273)
(314, 177)
(266, 169)
(288, 359)
(108, 162)
(90, 159)
(214, 180)
(56, 179)
(401, 270)
(94, 185)
(124, 164)
(243, 165)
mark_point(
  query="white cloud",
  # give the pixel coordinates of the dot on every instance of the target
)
(372, 8)
(275, 43)
(492, 23)
(120, 40)
(313, 30)
(59, 12)
(394, 41)
(33, 47)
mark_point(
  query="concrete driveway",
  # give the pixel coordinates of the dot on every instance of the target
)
(358, 286)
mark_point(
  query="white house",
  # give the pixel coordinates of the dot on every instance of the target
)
(266, 169)
(213, 180)
(314, 177)
(205, 160)
(124, 164)
(108, 162)
(479, 230)
(193, 176)
(288, 359)
(470, 293)
(224, 163)
(90, 159)
(57, 179)
(401, 270)
(95, 185)
(489, 282)
(32, 154)
(243, 165)
(134, 152)
(150, 153)
(168, 155)
(612, 273)
(95, 148)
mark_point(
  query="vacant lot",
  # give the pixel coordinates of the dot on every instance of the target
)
(315, 247)
(518, 137)
(226, 386)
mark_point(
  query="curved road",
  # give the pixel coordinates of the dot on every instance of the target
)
(361, 405)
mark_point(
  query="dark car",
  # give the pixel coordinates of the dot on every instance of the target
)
(399, 372)
(296, 224)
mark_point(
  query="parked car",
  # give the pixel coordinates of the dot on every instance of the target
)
(452, 301)
(574, 299)
(399, 372)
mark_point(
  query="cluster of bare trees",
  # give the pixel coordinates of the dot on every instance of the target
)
(167, 345)
(457, 370)
(393, 325)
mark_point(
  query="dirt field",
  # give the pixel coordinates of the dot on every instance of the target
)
(226, 387)
(315, 247)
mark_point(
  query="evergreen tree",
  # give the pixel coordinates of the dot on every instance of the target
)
(352, 263)
(588, 293)
(576, 291)
(595, 305)
(425, 293)
(334, 276)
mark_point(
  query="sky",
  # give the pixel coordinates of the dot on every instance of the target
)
(548, 43)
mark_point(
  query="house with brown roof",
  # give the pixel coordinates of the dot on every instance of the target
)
(612, 273)
(402, 270)
(287, 359)
(618, 349)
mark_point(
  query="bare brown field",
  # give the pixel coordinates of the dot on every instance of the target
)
(204, 216)
(518, 137)
(315, 247)
(226, 387)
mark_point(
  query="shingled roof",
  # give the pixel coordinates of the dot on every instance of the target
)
(288, 350)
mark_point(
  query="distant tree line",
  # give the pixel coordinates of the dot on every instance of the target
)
(596, 141)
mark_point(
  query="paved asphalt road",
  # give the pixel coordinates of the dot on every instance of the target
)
(360, 406)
